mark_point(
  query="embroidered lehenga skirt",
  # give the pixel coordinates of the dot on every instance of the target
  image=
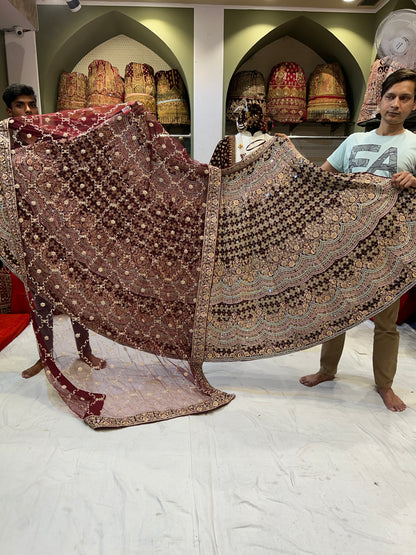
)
(139, 84)
(105, 86)
(72, 91)
(171, 262)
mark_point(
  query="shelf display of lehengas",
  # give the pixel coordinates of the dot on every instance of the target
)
(245, 87)
(163, 94)
(173, 105)
(314, 112)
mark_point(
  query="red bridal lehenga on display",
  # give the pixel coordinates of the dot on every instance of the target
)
(173, 262)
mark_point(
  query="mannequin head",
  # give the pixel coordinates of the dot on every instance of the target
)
(250, 118)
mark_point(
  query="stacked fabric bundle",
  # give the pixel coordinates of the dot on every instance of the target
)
(163, 94)
(327, 94)
(286, 95)
(140, 85)
(171, 98)
(245, 88)
(105, 86)
(72, 91)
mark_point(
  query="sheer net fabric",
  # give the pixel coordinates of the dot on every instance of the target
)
(169, 262)
(107, 216)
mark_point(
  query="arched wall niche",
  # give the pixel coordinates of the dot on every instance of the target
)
(317, 40)
(119, 51)
(349, 45)
(277, 51)
(61, 51)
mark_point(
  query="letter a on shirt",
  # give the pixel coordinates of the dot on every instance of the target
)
(385, 163)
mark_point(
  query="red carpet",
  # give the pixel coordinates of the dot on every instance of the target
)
(10, 327)
(13, 324)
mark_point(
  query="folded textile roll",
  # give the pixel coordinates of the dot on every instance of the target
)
(286, 95)
(72, 91)
(171, 98)
(327, 94)
(140, 84)
(105, 86)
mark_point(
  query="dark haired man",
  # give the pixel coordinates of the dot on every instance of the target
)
(21, 101)
(390, 151)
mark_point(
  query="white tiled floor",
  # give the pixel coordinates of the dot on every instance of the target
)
(282, 469)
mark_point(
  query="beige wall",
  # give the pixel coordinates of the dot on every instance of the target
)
(3, 74)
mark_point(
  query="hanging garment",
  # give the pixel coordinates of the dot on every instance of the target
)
(327, 95)
(72, 91)
(140, 84)
(171, 98)
(380, 70)
(286, 94)
(245, 87)
(105, 86)
(173, 262)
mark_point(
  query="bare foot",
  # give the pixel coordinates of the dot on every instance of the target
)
(33, 370)
(390, 399)
(94, 362)
(313, 379)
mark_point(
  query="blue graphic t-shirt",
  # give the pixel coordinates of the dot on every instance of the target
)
(377, 154)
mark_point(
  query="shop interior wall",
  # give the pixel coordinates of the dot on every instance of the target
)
(345, 38)
(391, 6)
(65, 37)
(3, 74)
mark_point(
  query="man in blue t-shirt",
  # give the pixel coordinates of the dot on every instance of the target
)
(388, 151)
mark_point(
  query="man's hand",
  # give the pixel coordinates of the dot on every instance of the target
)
(403, 180)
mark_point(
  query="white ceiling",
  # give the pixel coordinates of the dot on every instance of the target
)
(301, 5)
(20, 13)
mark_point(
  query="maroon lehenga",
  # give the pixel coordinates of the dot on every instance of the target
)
(173, 262)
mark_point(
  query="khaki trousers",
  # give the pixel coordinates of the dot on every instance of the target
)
(385, 348)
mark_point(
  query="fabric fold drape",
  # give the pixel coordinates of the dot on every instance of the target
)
(303, 254)
(170, 262)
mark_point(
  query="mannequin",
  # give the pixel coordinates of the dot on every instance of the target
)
(250, 136)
